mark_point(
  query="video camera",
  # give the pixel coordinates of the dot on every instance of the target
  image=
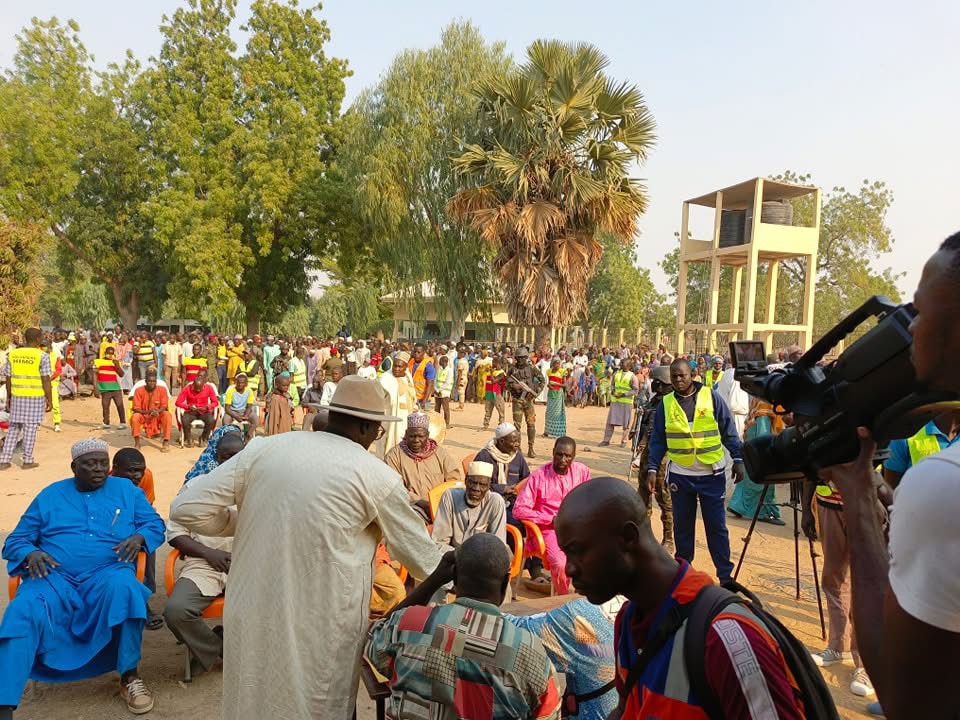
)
(872, 383)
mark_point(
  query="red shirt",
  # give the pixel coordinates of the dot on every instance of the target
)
(206, 399)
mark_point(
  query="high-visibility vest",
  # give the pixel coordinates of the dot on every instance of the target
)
(711, 377)
(702, 441)
(623, 383)
(922, 445)
(253, 378)
(420, 379)
(299, 378)
(25, 379)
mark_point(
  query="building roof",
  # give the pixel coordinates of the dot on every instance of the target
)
(740, 196)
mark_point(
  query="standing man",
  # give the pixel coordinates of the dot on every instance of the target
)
(27, 374)
(143, 352)
(493, 394)
(540, 499)
(691, 427)
(109, 373)
(444, 387)
(172, 357)
(525, 382)
(329, 522)
(625, 389)
(424, 374)
(660, 386)
(270, 352)
(712, 376)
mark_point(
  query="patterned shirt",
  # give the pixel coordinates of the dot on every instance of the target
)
(462, 660)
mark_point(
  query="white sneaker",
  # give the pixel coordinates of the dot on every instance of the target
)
(826, 658)
(122, 426)
(56, 427)
(860, 684)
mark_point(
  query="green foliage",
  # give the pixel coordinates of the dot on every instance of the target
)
(552, 174)
(245, 142)
(20, 285)
(399, 138)
(620, 294)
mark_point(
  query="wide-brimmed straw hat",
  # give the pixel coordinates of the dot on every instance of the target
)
(361, 398)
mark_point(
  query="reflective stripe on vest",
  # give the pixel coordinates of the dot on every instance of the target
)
(685, 445)
(922, 445)
(622, 382)
(419, 378)
(25, 380)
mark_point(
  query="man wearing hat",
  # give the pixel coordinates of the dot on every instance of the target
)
(79, 610)
(470, 510)
(401, 399)
(422, 462)
(712, 376)
(310, 511)
(524, 382)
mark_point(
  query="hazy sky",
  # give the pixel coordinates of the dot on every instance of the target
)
(842, 90)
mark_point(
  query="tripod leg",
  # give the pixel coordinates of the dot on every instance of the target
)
(753, 524)
(816, 585)
(796, 545)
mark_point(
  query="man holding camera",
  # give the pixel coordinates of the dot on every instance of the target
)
(906, 604)
(691, 427)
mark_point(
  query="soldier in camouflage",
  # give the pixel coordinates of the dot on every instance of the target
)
(524, 381)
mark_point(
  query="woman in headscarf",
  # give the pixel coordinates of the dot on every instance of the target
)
(213, 455)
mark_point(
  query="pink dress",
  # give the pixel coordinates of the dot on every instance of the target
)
(539, 502)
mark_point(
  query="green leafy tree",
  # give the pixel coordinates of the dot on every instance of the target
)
(399, 140)
(620, 294)
(71, 158)
(20, 285)
(552, 174)
(246, 143)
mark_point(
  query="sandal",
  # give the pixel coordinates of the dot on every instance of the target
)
(154, 621)
(538, 585)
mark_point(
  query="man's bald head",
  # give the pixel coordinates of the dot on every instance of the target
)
(483, 568)
(603, 528)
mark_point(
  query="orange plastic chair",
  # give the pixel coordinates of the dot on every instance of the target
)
(514, 535)
(466, 462)
(535, 537)
(214, 610)
(13, 583)
(437, 492)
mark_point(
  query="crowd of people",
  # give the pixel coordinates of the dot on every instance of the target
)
(399, 555)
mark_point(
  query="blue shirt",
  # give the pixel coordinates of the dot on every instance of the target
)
(899, 460)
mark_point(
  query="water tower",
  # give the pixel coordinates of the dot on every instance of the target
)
(752, 229)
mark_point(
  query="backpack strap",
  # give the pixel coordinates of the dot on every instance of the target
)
(670, 624)
(711, 601)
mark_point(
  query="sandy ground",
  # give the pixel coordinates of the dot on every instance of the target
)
(768, 569)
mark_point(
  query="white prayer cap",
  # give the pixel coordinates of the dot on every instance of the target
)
(87, 446)
(504, 429)
(478, 468)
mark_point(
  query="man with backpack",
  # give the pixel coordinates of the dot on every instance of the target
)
(684, 647)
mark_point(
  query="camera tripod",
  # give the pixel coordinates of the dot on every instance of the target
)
(794, 504)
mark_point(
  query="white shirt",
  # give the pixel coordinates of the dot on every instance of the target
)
(925, 540)
(186, 350)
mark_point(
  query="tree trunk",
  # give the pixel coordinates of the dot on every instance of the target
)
(253, 323)
(541, 339)
(127, 308)
(457, 330)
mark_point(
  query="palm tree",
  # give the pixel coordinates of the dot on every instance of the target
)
(552, 174)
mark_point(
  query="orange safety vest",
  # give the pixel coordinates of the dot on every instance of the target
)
(419, 378)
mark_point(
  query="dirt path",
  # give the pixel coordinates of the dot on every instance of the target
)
(769, 569)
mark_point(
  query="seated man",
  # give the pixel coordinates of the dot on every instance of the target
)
(463, 659)
(151, 411)
(464, 512)
(240, 405)
(311, 401)
(129, 463)
(198, 400)
(80, 610)
(540, 500)
(386, 591)
(203, 577)
(422, 463)
(510, 467)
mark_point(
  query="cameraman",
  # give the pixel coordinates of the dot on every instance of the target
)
(907, 611)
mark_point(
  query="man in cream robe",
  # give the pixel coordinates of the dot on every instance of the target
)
(402, 401)
(311, 509)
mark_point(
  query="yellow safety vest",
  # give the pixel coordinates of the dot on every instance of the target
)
(711, 377)
(253, 378)
(702, 441)
(922, 445)
(622, 383)
(25, 380)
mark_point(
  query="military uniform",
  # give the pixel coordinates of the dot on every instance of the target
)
(523, 401)
(660, 490)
